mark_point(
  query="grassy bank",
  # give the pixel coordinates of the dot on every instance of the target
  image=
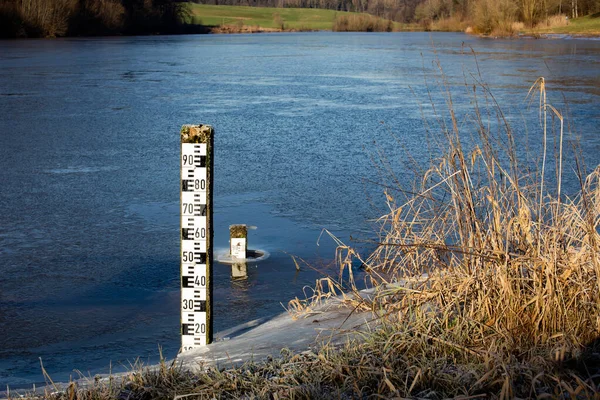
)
(244, 19)
(263, 17)
(588, 25)
(238, 19)
(556, 24)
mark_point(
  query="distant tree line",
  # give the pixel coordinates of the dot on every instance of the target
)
(52, 18)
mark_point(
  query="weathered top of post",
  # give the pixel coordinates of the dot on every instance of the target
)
(196, 133)
(238, 231)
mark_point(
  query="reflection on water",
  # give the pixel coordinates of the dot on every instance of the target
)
(241, 287)
(89, 145)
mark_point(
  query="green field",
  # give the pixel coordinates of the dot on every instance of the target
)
(318, 19)
(264, 17)
(588, 25)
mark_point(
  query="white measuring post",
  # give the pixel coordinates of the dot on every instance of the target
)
(238, 241)
(238, 248)
(196, 235)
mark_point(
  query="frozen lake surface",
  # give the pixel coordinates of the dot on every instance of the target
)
(89, 168)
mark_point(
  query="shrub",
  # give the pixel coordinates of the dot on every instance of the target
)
(517, 26)
(51, 18)
(431, 10)
(449, 24)
(47, 18)
(278, 21)
(11, 22)
(361, 23)
(110, 13)
(98, 17)
(494, 17)
(554, 21)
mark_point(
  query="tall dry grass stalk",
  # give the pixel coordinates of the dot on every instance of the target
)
(516, 266)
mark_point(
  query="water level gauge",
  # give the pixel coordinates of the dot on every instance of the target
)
(196, 236)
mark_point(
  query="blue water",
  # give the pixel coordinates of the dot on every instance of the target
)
(89, 173)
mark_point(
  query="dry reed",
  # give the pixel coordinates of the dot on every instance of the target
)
(504, 274)
(554, 21)
(454, 23)
(517, 26)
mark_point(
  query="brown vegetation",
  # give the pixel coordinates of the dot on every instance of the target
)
(495, 17)
(51, 18)
(240, 28)
(455, 23)
(278, 21)
(40, 17)
(554, 21)
(361, 23)
(99, 17)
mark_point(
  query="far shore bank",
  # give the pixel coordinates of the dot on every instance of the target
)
(227, 30)
(524, 35)
(253, 29)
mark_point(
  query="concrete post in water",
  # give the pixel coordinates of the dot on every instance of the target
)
(238, 248)
(196, 235)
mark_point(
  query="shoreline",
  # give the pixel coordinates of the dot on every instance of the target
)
(536, 36)
(328, 322)
(231, 29)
